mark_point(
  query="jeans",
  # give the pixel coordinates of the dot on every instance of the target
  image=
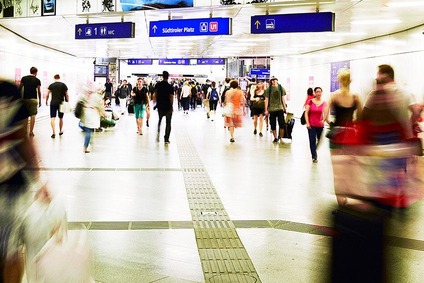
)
(168, 115)
(314, 137)
(87, 137)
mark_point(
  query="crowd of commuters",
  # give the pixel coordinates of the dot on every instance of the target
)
(266, 100)
(388, 113)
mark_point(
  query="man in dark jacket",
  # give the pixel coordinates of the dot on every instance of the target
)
(164, 99)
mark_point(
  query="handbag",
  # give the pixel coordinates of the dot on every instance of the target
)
(79, 108)
(65, 107)
(227, 111)
(303, 119)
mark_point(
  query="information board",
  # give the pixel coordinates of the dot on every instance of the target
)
(190, 27)
(105, 30)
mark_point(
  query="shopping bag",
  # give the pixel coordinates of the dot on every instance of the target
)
(65, 107)
(45, 217)
(388, 174)
(66, 261)
(227, 111)
(206, 103)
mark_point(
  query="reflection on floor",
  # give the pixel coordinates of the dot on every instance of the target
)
(202, 209)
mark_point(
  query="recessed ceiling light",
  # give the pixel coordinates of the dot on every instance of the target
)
(376, 22)
(403, 4)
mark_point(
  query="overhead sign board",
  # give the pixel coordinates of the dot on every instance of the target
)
(105, 30)
(263, 72)
(138, 61)
(174, 61)
(211, 61)
(190, 27)
(285, 23)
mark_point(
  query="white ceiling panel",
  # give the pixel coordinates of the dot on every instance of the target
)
(356, 20)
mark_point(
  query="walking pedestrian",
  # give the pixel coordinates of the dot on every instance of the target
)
(59, 92)
(164, 98)
(31, 96)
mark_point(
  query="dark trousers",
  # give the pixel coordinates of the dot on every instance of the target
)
(277, 116)
(314, 137)
(213, 104)
(185, 102)
(168, 115)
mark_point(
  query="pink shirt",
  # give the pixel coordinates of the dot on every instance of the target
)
(316, 114)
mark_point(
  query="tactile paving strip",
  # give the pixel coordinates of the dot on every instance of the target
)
(222, 254)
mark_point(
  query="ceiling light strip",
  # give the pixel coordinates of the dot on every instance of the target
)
(35, 43)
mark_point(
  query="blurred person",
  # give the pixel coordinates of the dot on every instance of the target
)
(275, 106)
(148, 108)
(213, 97)
(204, 91)
(258, 107)
(309, 95)
(347, 108)
(18, 174)
(59, 92)
(234, 97)
(390, 105)
(93, 111)
(124, 92)
(193, 96)
(185, 97)
(315, 112)
(31, 85)
(141, 100)
(224, 90)
(164, 99)
(108, 91)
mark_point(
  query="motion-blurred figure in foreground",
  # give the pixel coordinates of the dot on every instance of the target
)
(17, 154)
(379, 168)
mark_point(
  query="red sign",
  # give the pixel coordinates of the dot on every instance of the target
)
(213, 26)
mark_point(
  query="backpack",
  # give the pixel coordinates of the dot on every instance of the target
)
(223, 93)
(214, 95)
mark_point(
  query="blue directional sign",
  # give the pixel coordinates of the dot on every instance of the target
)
(305, 22)
(137, 61)
(105, 30)
(259, 72)
(211, 61)
(190, 27)
(174, 61)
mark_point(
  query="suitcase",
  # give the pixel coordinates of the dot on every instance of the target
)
(357, 247)
(289, 129)
(130, 108)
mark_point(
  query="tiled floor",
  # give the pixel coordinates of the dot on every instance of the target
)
(132, 194)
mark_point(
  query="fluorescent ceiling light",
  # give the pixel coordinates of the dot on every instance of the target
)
(403, 4)
(253, 39)
(393, 42)
(351, 33)
(376, 22)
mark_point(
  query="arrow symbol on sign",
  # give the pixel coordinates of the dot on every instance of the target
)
(79, 31)
(257, 24)
(155, 28)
